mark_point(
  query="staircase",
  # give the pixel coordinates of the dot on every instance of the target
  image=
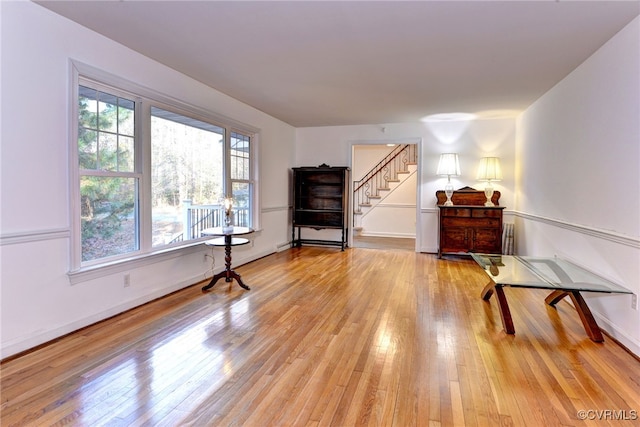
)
(376, 184)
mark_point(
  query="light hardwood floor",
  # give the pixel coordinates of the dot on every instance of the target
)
(324, 337)
(408, 244)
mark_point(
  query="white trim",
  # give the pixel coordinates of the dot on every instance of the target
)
(284, 246)
(582, 229)
(254, 177)
(383, 204)
(611, 236)
(86, 274)
(276, 209)
(92, 73)
(389, 234)
(617, 333)
(34, 236)
(144, 98)
(395, 205)
(75, 244)
(138, 261)
(417, 141)
(16, 346)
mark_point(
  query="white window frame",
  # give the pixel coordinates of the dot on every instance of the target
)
(251, 181)
(144, 98)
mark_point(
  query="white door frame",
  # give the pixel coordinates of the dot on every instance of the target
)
(414, 140)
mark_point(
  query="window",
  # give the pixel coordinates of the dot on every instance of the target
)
(151, 172)
(241, 184)
(187, 176)
(108, 179)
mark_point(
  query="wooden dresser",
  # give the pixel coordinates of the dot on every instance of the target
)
(468, 225)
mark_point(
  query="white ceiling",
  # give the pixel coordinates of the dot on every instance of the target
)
(317, 63)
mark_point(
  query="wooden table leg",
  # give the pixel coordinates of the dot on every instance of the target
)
(503, 305)
(588, 321)
(227, 273)
(488, 291)
(228, 276)
(554, 297)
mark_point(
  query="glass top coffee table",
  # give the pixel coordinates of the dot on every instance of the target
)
(560, 276)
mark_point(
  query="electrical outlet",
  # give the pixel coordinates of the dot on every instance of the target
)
(127, 280)
(634, 301)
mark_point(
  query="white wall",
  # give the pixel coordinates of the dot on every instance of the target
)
(38, 303)
(395, 214)
(471, 140)
(578, 176)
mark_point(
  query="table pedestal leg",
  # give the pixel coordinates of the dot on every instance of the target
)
(503, 305)
(588, 321)
(227, 273)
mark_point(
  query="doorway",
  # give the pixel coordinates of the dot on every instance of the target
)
(384, 211)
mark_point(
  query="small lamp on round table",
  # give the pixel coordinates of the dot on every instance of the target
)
(228, 207)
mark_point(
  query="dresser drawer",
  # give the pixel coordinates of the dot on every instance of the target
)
(456, 212)
(486, 213)
(470, 222)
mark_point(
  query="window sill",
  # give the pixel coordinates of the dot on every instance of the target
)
(95, 272)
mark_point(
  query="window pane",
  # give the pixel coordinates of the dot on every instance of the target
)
(125, 154)
(192, 163)
(87, 148)
(107, 152)
(107, 112)
(125, 117)
(108, 210)
(241, 204)
(187, 176)
(88, 107)
(105, 131)
(240, 156)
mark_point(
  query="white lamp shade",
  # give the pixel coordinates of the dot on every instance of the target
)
(489, 169)
(448, 165)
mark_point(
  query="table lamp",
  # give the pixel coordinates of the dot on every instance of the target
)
(447, 166)
(489, 170)
(228, 206)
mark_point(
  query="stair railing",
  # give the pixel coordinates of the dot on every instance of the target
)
(379, 176)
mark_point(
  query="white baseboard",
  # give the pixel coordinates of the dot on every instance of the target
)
(25, 343)
(21, 344)
(385, 234)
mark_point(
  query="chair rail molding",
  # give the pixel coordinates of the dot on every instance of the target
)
(582, 229)
(34, 236)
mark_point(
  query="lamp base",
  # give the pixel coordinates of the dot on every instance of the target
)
(448, 191)
(488, 192)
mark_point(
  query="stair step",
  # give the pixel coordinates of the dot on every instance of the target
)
(375, 197)
(385, 189)
(403, 172)
(365, 205)
(357, 212)
(393, 180)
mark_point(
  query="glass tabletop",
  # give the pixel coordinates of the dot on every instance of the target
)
(545, 273)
